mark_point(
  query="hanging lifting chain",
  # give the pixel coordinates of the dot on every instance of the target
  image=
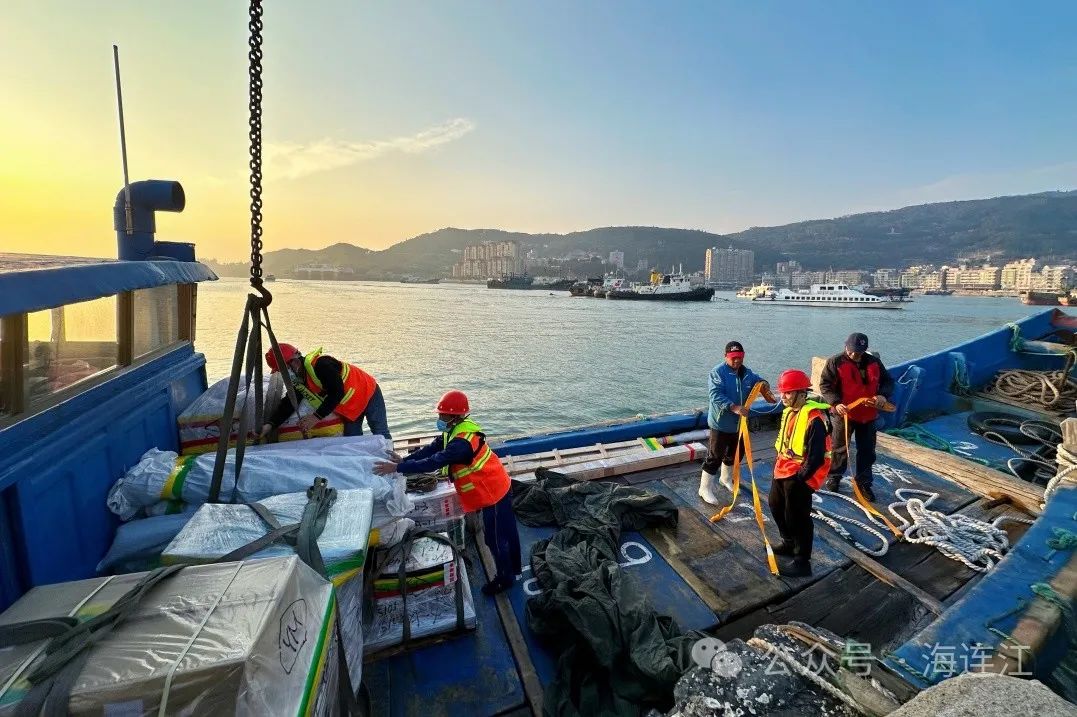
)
(255, 134)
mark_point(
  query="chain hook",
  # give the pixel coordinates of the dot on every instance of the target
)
(255, 135)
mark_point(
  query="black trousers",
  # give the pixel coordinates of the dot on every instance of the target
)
(720, 449)
(864, 435)
(790, 505)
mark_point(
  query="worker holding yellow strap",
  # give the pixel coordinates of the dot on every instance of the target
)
(856, 385)
(804, 459)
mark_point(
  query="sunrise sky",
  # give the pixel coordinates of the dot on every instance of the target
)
(385, 120)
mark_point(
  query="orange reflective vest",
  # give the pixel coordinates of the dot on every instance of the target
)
(791, 438)
(484, 480)
(358, 387)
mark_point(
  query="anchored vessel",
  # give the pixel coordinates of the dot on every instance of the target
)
(835, 296)
(663, 287)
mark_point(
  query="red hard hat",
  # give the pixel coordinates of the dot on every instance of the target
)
(793, 380)
(454, 403)
(288, 351)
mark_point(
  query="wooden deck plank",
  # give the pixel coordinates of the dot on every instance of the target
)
(979, 479)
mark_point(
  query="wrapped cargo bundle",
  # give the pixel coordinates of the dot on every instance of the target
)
(439, 511)
(267, 471)
(245, 638)
(217, 529)
(138, 544)
(429, 612)
(429, 564)
(199, 425)
(438, 594)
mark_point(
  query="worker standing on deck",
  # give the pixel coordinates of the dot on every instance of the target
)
(847, 378)
(803, 447)
(331, 386)
(462, 455)
(730, 383)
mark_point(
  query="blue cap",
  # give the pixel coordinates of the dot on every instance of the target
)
(857, 343)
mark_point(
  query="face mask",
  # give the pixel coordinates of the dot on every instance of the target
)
(442, 425)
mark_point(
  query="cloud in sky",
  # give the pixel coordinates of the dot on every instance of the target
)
(977, 185)
(293, 160)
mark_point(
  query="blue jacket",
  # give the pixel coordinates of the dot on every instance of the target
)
(433, 456)
(727, 389)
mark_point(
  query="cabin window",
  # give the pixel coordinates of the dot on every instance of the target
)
(69, 344)
(156, 319)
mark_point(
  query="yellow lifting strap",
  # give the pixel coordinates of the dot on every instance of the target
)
(864, 503)
(746, 441)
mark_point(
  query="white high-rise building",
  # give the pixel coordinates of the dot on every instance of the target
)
(617, 259)
(729, 268)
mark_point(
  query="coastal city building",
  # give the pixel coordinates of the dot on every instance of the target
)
(984, 278)
(489, 259)
(729, 268)
(849, 277)
(1017, 275)
(617, 259)
(886, 278)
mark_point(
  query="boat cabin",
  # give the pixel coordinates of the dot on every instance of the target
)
(96, 361)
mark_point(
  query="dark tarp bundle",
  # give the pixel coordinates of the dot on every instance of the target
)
(617, 656)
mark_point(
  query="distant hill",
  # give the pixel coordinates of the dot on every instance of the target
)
(1041, 225)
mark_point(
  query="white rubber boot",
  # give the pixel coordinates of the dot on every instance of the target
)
(727, 477)
(706, 488)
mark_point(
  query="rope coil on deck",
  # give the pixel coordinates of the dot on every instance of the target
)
(1066, 460)
(975, 543)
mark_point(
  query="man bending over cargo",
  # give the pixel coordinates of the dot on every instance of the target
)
(461, 454)
(330, 386)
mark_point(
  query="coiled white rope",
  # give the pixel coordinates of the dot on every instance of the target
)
(977, 544)
(832, 519)
(1067, 470)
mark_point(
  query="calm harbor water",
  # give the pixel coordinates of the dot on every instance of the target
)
(531, 361)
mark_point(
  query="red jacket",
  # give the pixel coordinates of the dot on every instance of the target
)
(844, 381)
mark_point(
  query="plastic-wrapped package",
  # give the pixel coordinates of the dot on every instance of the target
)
(139, 543)
(430, 612)
(430, 564)
(245, 638)
(161, 475)
(199, 425)
(389, 532)
(454, 528)
(217, 529)
(438, 504)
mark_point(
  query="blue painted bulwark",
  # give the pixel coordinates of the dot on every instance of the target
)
(998, 601)
(147, 198)
(56, 468)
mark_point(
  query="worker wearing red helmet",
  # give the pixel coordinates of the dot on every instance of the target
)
(462, 455)
(331, 386)
(803, 461)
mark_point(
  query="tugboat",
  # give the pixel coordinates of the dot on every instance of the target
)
(664, 287)
(938, 292)
(834, 296)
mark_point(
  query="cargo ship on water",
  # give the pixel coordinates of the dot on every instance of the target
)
(514, 281)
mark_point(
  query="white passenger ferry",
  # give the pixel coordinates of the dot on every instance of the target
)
(827, 295)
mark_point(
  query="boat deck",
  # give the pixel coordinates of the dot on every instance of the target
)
(708, 576)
